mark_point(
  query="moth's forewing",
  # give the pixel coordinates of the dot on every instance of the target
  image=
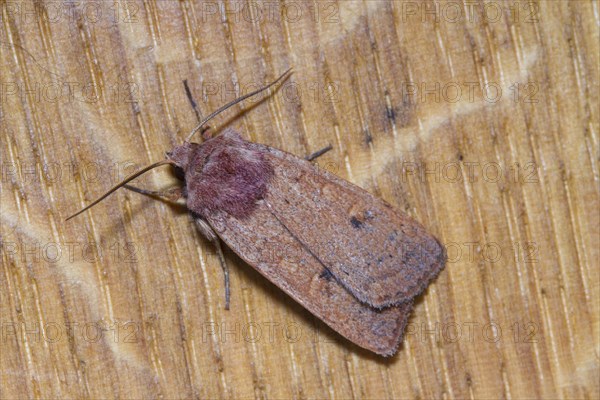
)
(263, 242)
(382, 256)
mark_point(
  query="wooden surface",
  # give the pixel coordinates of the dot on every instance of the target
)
(484, 127)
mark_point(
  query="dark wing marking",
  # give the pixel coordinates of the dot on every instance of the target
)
(382, 256)
(263, 242)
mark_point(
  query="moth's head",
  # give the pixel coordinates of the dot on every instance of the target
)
(182, 155)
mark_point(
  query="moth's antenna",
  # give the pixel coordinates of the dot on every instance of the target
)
(234, 102)
(123, 182)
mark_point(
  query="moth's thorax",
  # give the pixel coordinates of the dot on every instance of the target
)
(225, 173)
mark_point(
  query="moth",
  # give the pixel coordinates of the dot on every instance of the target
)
(345, 255)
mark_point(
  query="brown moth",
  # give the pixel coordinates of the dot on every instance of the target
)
(343, 254)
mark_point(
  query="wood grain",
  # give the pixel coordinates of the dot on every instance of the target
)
(479, 119)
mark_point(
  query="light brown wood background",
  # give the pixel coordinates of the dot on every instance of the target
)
(480, 119)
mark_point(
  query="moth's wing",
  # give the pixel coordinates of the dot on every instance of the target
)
(382, 256)
(264, 243)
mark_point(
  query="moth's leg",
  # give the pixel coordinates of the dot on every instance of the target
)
(194, 105)
(318, 153)
(174, 193)
(209, 234)
(188, 93)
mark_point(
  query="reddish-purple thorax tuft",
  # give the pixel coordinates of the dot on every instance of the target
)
(225, 173)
